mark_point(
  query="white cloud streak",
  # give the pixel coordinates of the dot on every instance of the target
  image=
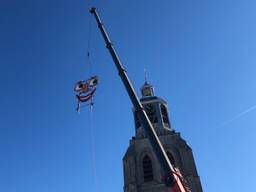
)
(239, 115)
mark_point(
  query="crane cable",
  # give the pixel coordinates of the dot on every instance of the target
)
(89, 44)
(92, 139)
(93, 151)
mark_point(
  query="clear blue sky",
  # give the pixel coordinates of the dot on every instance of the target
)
(200, 56)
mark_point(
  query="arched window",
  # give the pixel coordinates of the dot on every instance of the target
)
(171, 159)
(164, 114)
(147, 169)
(151, 112)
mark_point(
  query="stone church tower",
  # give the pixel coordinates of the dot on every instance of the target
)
(142, 173)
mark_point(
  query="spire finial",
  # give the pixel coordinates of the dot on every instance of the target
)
(145, 75)
(147, 90)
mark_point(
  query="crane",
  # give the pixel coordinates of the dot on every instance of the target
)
(173, 179)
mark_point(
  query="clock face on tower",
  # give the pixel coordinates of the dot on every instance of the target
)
(151, 112)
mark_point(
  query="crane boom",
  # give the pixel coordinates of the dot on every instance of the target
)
(172, 177)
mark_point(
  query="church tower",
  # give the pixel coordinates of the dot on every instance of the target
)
(142, 172)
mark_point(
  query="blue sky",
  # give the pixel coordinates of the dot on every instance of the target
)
(200, 56)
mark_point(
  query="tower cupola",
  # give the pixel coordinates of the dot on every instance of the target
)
(147, 90)
(156, 109)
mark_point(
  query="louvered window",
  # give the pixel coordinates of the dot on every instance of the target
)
(164, 114)
(147, 169)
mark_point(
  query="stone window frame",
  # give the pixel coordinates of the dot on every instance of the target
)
(176, 156)
(171, 158)
(164, 114)
(140, 159)
(147, 167)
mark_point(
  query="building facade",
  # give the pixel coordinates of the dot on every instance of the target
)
(142, 172)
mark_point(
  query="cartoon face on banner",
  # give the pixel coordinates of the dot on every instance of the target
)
(86, 86)
(86, 90)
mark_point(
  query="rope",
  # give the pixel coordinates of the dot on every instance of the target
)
(89, 44)
(95, 178)
(93, 150)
